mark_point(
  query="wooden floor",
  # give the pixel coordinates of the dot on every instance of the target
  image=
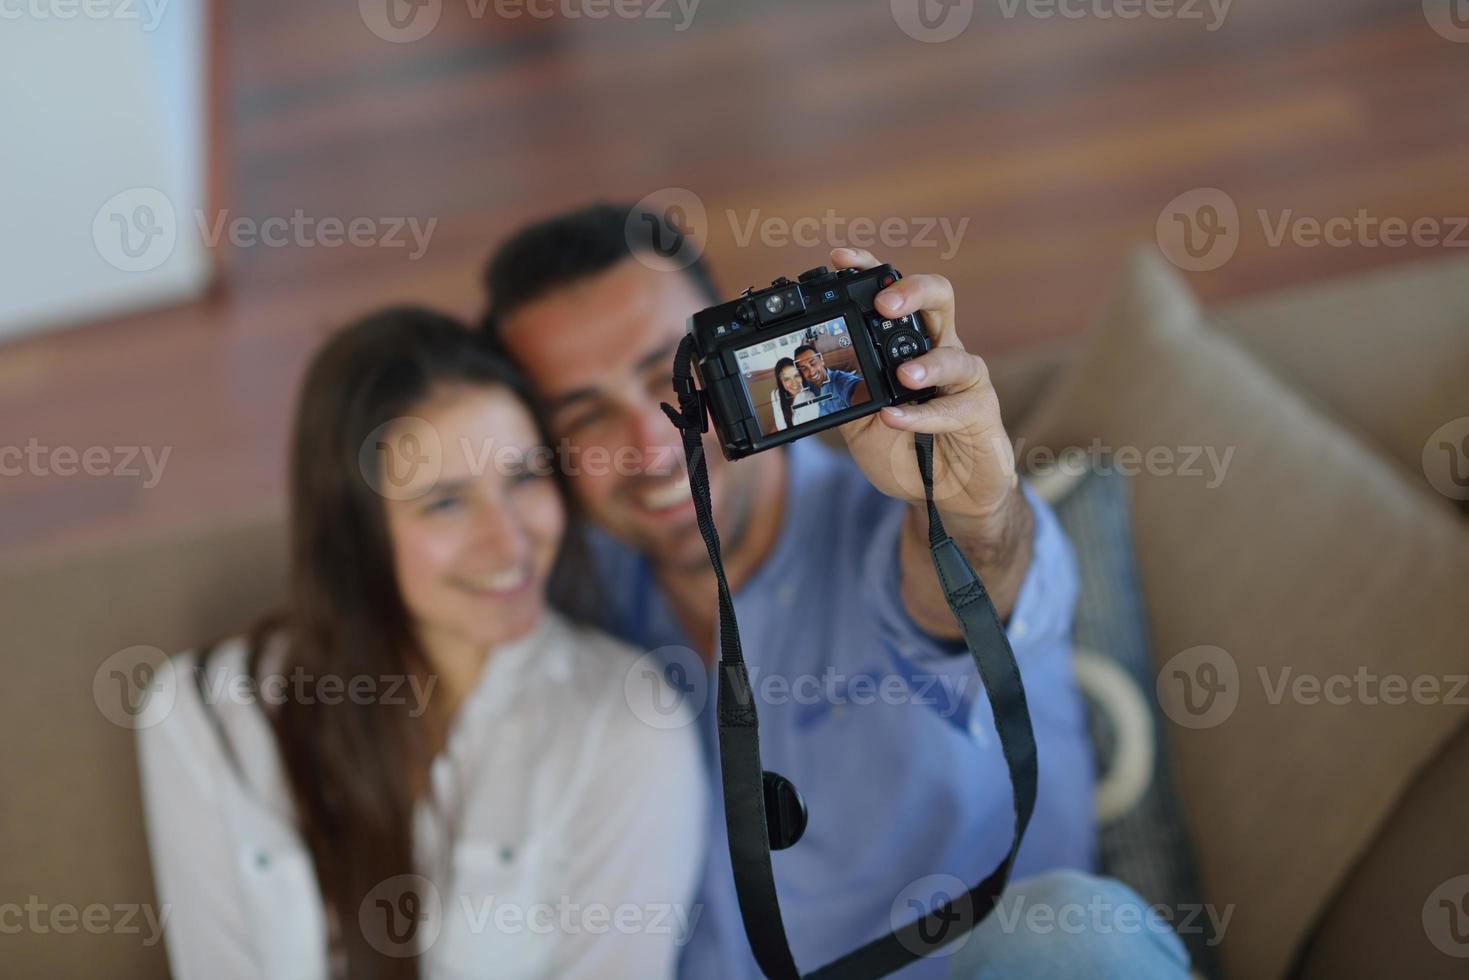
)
(1058, 140)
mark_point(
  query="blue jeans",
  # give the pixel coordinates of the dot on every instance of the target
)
(1066, 925)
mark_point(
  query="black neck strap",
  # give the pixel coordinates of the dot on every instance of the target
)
(751, 815)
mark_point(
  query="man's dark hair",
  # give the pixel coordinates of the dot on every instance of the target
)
(575, 245)
(797, 352)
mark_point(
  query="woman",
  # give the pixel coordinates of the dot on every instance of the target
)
(425, 765)
(791, 402)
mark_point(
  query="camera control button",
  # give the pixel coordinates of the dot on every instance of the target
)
(815, 273)
(903, 346)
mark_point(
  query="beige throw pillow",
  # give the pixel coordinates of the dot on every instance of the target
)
(1307, 606)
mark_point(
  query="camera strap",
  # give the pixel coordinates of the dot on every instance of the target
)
(759, 806)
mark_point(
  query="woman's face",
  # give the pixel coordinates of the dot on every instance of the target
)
(790, 380)
(474, 546)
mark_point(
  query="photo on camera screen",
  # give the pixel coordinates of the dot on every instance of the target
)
(802, 376)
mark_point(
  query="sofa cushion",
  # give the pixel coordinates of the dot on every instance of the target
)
(1413, 884)
(1387, 352)
(1291, 558)
(79, 635)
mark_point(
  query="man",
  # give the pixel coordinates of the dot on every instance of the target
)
(867, 698)
(833, 389)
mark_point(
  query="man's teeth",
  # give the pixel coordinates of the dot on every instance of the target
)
(669, 495)
(503, 581)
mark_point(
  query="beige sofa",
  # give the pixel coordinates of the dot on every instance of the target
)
(1327, 831)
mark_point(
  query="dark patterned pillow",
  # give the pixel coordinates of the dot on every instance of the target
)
(1144, 840)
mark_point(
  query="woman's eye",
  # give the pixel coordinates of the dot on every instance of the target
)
(441, 505)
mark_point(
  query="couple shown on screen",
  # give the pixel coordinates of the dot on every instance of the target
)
(806, 389)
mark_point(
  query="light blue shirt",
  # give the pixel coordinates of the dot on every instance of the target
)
(883, 728)
(836, 393)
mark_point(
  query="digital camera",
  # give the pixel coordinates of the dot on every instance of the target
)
(784, 362)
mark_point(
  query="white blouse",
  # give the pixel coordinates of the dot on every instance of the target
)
(581, 801)
(803, 408)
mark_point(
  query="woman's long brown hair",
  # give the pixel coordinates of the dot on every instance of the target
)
(356, 770)
(785, 396)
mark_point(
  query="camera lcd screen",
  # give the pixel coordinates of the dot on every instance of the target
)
(799, 377)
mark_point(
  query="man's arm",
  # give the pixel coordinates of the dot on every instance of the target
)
(976, 488)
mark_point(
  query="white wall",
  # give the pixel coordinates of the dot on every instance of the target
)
(101, 119)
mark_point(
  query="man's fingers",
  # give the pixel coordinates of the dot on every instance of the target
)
(853, 258)
(947, 413)
(931, 295)
(944, 367)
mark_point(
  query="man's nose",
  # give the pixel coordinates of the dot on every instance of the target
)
(655, 440)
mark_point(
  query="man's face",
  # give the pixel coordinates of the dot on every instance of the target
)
(812, 367)
(600, 353)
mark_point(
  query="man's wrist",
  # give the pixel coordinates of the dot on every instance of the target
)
(998, 546)
(997, 541)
